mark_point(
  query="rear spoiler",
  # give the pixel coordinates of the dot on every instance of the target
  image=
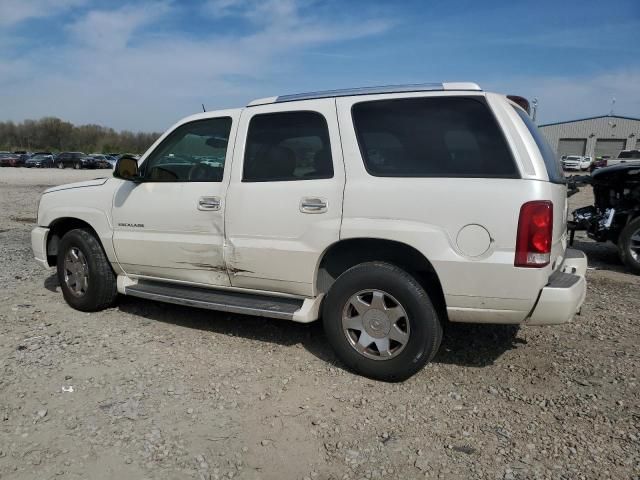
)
(521, 101)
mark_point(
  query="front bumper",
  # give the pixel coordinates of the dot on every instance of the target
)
(564, 295)
(39, 245)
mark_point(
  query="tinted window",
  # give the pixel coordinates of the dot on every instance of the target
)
(629, 154)
(553, 166)
(431, 137)
(287, 146)
(193, 152)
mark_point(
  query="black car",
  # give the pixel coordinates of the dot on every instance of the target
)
(615, 214)
(75, 160)
(40, 160)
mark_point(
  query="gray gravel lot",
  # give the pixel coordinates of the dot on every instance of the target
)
(162, 391)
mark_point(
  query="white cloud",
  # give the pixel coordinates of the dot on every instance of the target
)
(112, 29)
(13, 12)
(114, 73)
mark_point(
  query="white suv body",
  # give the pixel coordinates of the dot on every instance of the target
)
(312, 188)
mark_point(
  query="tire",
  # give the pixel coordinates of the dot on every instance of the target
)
(60, 165)
(421, 326)
(77, 166)
(629, 245)
(100, 290)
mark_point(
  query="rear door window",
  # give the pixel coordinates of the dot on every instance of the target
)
(432, 137)
(287, 146)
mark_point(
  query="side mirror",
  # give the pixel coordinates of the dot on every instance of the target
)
(127, 169)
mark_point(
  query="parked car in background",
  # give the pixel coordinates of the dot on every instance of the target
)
(101, 160)
(8, 159)
(615, 213)
(576, 162)
(626, 156)
(40, 160)
(4, 158)
(75, 160)
(600, 162)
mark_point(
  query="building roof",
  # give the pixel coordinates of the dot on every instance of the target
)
(589, 118)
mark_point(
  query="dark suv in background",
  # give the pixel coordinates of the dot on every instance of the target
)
(75, 160)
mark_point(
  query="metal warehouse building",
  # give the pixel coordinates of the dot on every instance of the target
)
(594, 136)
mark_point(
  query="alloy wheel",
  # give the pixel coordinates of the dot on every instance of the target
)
(634, 245)
(76, 272)
(375, 324)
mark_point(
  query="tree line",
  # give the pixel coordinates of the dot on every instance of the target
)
(55, 135)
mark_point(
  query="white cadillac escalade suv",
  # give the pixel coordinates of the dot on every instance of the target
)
(384, 211)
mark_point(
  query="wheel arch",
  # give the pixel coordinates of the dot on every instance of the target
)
(58, 228)
(344, 254)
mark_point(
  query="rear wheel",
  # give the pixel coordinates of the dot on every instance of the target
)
(84, 272)
(380, 322)
(629, 245)
(60, 165)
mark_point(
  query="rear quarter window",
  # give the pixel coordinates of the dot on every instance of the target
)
(551, 162)
(432, 137)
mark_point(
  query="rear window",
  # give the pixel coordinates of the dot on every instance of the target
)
(432, 137)
(629, 154)
(551, 162)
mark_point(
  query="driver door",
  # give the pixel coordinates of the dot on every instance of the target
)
(171, 225)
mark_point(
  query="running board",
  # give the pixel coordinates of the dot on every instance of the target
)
(226, 301)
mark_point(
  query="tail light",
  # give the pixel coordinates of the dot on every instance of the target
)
(535, 229)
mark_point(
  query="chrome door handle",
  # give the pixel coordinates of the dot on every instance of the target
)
(209, 203)
(313, 205)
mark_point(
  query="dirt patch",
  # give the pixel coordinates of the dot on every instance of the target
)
(147, 390)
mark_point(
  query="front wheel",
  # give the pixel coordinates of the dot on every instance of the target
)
(629, 245)
(380, 322)
(77, 166)
(60, 165)
(84, 272)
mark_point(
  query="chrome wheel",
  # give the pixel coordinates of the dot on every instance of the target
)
(634, 245)
(76, 272)
(375, 324)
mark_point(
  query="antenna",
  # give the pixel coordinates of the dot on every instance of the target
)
(535, 108)
(613, 104)
(203, 109)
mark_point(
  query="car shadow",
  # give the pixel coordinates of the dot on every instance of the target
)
(463, 344)
(52, 284)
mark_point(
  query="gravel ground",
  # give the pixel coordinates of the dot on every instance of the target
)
(147, 390)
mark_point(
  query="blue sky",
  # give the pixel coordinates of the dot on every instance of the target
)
(143, 65)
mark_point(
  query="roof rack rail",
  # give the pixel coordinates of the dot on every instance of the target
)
(348, 92)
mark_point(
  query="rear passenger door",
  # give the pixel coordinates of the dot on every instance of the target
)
(284, 203)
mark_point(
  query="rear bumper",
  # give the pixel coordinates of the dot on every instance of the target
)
(564, 295)
(39, 245)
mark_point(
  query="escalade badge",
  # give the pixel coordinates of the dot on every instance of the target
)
(131, 225)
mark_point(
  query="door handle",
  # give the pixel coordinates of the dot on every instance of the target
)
(209, 203)
(313, 205)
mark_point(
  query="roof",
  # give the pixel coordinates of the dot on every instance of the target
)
(348, 92)
(589, 118)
